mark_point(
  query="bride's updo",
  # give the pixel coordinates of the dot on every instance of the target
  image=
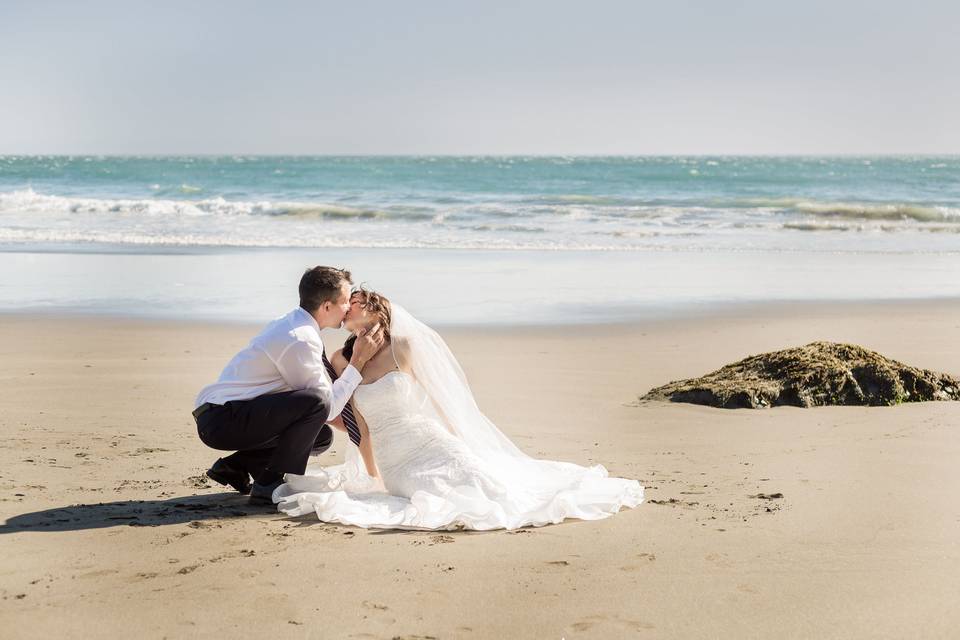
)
(374, 304)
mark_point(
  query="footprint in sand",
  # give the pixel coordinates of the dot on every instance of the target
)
(718, 559)
(98, 574)
(613, 621)
(147, 450)
(243, 553)
(646, 557)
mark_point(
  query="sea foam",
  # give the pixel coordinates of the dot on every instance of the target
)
(877, 204)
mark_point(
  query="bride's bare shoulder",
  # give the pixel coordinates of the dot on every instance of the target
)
(401, 351)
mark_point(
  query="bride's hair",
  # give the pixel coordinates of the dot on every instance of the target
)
(376, 304)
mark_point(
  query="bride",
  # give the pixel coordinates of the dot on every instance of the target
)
(428, 458)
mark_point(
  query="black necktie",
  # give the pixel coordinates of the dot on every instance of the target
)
(349, 420)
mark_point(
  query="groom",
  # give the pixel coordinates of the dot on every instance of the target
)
(273, 398)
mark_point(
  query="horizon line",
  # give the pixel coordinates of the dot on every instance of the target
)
(484, 155)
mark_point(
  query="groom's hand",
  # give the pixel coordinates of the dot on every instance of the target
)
(367, 344)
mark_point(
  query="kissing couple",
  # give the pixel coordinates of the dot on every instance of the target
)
(421, 455)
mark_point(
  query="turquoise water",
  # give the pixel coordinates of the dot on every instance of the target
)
(847, 204)
(474, 240)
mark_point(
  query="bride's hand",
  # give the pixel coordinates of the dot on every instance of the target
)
(367, 344)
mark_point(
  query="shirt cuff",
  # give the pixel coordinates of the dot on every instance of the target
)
(350, 375)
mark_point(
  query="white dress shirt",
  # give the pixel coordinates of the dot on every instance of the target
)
(286, 356)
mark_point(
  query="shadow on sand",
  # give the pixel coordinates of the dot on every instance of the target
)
(137, 513)
(181, 510)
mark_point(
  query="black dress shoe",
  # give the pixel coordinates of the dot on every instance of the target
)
(225, 474)
(263, 493)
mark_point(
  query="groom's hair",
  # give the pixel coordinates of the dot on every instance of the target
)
(321, 284)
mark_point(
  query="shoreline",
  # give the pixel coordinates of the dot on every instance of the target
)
(448, 287)
(161, 249)
(692, 312)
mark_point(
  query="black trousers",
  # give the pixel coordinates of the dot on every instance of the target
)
(275, 431)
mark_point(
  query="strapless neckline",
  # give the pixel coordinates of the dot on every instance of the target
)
(370, 384)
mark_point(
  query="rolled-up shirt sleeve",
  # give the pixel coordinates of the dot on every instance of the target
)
(301, 366)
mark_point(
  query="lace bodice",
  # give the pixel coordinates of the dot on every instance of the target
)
(408, 438)
(394, 397)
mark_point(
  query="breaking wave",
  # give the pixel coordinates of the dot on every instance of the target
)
(861, 210)
(27, 201)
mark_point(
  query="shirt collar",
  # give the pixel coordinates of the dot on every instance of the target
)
(303, 314)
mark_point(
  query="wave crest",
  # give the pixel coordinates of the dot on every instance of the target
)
(861, 210)
(893, 211)
(28, 200)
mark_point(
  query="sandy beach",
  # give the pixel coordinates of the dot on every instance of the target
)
(109, 527)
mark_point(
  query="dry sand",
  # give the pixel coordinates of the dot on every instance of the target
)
(111, 528)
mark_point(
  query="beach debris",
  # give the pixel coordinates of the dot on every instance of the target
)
(818, 374)
(674, 501)
(198, 482)
(767, 496)
(147, 450)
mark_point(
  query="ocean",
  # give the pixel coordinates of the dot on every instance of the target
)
(737, 203)
(474, 239)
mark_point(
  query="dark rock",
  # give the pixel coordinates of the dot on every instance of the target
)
(818, 374)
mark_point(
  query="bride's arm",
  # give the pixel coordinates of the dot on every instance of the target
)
(339, 362)
(366, 446)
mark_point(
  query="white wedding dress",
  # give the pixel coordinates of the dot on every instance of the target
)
(444, 466)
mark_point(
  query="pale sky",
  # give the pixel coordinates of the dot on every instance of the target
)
(490, 77)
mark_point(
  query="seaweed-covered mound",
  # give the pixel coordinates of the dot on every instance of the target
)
(818, 374)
